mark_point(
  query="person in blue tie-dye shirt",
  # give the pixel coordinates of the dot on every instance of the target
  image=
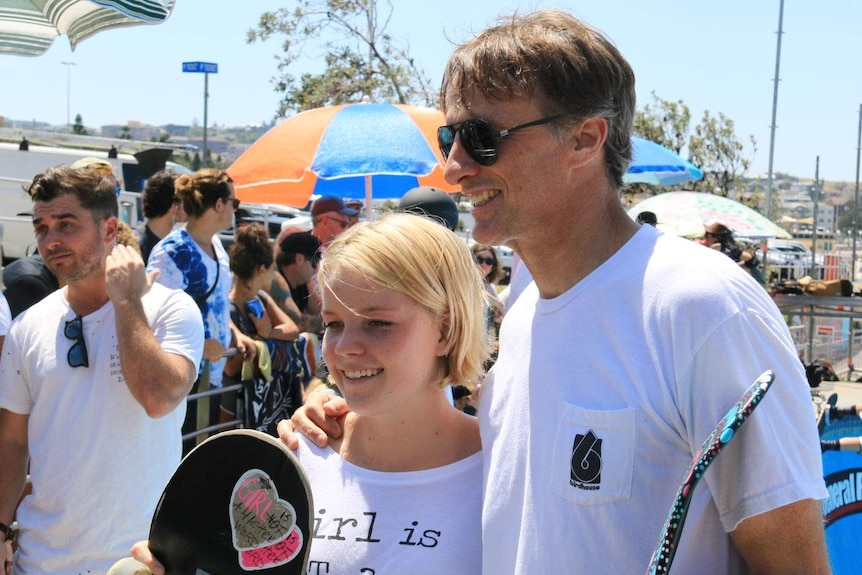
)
(193, 259)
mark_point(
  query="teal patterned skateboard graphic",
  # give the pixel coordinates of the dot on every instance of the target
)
(717, 439)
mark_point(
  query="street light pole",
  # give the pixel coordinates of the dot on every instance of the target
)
(774, 108)
(68, 93)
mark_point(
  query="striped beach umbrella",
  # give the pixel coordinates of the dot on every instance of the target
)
(28, 27)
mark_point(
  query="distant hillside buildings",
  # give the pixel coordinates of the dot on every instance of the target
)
(228, 143)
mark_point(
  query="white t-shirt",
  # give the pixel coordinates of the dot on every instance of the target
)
(418, 522)
(601, 396)
(185, 266)
(5, 316)
(98, 463)
(519, 279)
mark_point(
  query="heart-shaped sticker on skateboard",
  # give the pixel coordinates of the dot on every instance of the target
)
(263, 526)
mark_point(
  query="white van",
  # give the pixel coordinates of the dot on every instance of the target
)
(19, 164)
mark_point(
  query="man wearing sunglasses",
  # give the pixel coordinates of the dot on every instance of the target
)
(630, 345)
(92, 387)
(330, 217)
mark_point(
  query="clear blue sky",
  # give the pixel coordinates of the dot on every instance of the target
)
(716, 56)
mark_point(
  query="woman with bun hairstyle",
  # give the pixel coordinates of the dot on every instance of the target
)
(193, 259)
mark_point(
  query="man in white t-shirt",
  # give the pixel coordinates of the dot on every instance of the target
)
(92, 388)
(616, 363)
(628, 347)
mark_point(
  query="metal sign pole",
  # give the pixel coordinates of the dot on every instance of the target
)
(206, 162)
(205, 68)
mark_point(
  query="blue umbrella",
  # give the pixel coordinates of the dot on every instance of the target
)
(658, 166)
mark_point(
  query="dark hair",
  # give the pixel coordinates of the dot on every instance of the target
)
(95, 192)
(496, 271)
(250, 250)
(158, 196)
(200, 191)
(566, 65)
(297, 243)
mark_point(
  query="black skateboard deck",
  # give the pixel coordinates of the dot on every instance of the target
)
(239, 502)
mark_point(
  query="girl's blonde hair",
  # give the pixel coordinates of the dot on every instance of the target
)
(423, 260)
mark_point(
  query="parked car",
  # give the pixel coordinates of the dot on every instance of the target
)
(791, 259)
(272, 216)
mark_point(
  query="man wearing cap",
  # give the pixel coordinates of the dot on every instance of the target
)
(431, 202)
(354, 204)
(296, 260)
(99, 165)
(461, 395)
(330, 217)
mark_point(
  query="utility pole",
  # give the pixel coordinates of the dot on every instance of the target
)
(774, 109)
(815, 195)
(856, 195)
(68, 93)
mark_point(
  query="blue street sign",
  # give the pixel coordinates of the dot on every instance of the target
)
(201, 67)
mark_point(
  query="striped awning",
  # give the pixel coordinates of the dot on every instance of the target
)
(28, 27)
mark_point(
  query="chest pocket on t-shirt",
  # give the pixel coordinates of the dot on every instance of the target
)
(593, 455)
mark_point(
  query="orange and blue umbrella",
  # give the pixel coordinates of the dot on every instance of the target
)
(350, 151)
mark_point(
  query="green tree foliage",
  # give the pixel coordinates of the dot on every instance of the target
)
(715, 148)
(196, 162)
(712, 145)
(125, 133)
(361, 59)
(664, 122)
(78, 126)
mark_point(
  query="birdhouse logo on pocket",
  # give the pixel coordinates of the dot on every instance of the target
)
(586, 470)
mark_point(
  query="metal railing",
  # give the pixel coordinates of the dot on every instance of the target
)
(827, 328)
(199, 402)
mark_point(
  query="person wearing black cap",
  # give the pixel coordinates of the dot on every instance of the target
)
(296, 260)
(648, 218)
(431, 202)
(330, 217)
(462, 394)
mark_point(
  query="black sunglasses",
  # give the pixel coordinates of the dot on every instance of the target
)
(77, 356)
(481, 260)
(479, 138)
(342, 223)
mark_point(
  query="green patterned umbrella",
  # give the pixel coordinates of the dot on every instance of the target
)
(684, 213)
(28, 27)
